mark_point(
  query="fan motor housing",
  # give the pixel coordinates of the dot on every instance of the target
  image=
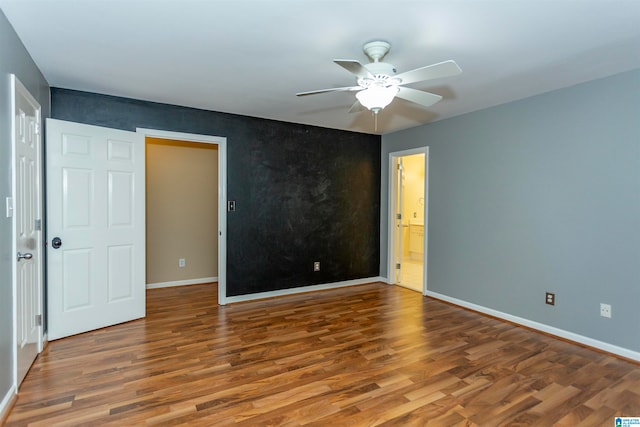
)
(382, 73)
(377, 68)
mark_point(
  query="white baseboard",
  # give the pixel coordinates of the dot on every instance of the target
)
(302, 289)
(44, 343)
(182, 283)
(6, 403)
(610, 348)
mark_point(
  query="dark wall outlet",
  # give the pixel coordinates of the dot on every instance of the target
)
(550, 298)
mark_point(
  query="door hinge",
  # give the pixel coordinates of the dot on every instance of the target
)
(38, 319)
(398, 266)
(38, 225)
(36, 128)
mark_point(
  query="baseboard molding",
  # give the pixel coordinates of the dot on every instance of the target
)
(7, 403)
(302, 289)
(182, 283)
(561, 333)
(45, 342)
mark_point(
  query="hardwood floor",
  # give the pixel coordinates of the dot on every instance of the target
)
(360, 356)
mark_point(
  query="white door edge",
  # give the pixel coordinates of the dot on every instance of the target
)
(393, 157)
(221, 142)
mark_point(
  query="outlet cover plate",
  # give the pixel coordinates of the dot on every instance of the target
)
(605, 310)
(550, 298)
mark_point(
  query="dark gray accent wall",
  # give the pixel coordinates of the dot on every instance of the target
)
(302, 193)
(537, 195)
(14, 59)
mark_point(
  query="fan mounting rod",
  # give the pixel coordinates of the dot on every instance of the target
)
(376, 50)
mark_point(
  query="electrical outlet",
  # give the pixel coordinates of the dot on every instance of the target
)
(550, 298)
(182, 262)
(605, 310)
(316, 266)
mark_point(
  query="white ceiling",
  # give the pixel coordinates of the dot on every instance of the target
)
(250, 57)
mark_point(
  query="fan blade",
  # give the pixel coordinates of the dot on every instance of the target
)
(425, 99)
(333, 89)
(435, 71)
(354, 67)
(357, 107)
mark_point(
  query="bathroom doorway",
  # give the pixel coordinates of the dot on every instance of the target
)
(408, 218)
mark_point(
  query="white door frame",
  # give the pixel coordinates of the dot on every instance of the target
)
(16, 85)
(391, 223)
(221, 142)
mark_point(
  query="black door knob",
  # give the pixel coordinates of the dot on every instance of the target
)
(56, 243)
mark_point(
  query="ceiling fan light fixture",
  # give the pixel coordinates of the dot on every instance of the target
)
(378, 82)
(375, 98)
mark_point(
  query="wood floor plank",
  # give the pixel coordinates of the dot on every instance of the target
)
(366, 355)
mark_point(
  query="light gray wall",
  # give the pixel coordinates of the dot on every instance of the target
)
(13, 59)
(537, 195)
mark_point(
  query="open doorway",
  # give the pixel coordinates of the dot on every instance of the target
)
(96, 201)
(408, 218)
(181, 213)
(178, 139)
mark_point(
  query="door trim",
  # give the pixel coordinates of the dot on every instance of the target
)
(221, 142)
(393, 158)
(16, 85)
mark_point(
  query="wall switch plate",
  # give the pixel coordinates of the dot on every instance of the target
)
(316, 266)
(182, 262)
(605, 310)
(550, 298)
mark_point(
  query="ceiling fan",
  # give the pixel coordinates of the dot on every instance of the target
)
(378, 84)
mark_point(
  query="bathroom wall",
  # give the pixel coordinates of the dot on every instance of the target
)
(412, 200)
(413, 209)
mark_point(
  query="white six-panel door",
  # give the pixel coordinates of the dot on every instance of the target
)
(27, 228)
(95, 227)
